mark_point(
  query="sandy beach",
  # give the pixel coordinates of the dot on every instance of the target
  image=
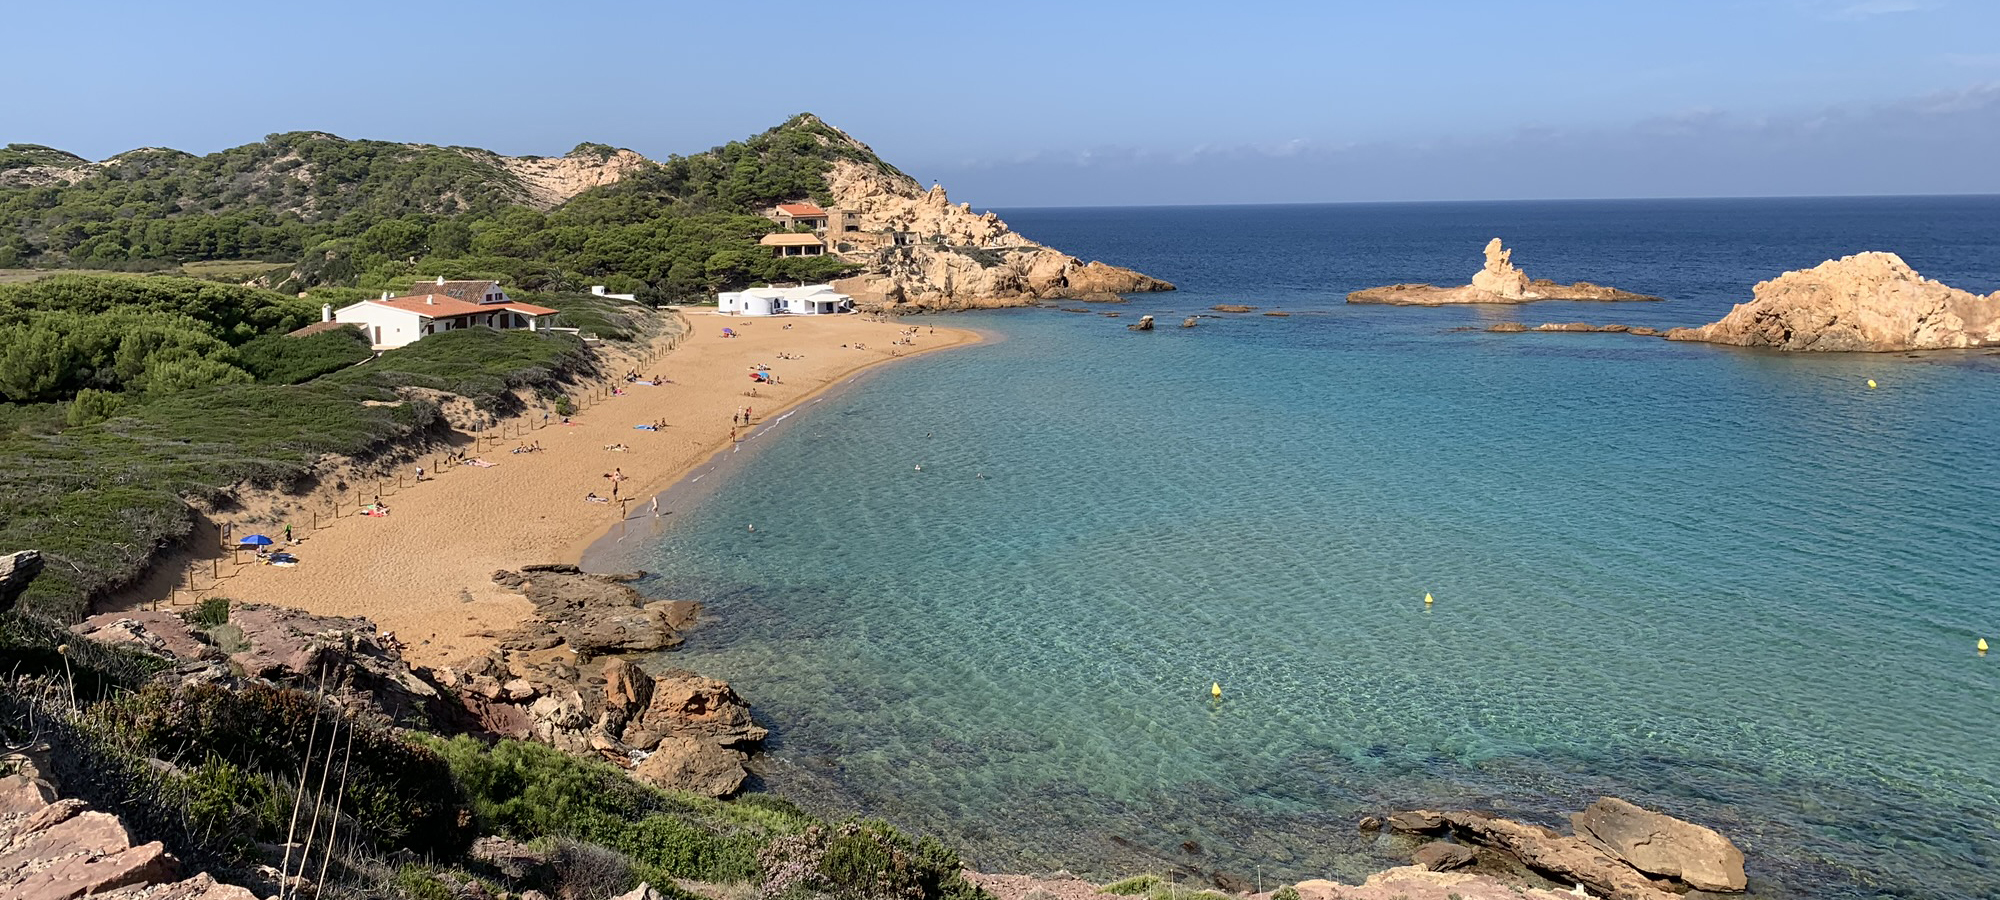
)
(425, 570)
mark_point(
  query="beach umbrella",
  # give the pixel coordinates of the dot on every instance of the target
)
(257, 540)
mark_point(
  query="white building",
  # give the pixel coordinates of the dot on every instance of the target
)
(805, 300)
(392, 322)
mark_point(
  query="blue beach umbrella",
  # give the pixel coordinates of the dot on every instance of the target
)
(256, 540)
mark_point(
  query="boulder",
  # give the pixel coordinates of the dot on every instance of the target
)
(684, 763)
(1659, 844)
(1563, 857)
(157, 632)
(16, 570)
(1508, 327)
(1145, 323)
(1865, 302)
(292, 646)
(1439, 856)
(1232, 308)
(643, 892)
(1419, 821)
(1188, 322)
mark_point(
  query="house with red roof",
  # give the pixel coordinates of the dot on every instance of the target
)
(392, 322)
(791, 215)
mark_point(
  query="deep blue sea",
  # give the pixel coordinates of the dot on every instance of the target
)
(1737, 586)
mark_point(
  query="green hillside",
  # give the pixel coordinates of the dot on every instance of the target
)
(369, 214)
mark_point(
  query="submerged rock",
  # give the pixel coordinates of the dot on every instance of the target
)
(1499, 281)
(1145, 323)
(1867, 302)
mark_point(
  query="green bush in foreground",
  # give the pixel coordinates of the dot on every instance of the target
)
(283, 359)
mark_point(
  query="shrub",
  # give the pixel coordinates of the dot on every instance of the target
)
(1290, 892)
(1134, 886)
(213, 611)
(92, 406)
(283, 359)
(399, 794)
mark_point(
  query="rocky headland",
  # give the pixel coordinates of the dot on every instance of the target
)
(953, 258)
(1499, 281)
(1865, 302)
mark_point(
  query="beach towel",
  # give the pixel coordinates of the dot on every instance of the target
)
(646, 383)
(645, 428)
(480, 463)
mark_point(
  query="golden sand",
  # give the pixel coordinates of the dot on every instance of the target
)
(425, 570)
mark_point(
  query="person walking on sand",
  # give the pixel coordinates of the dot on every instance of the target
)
(656, 506)
(288, 532)
(420, 473)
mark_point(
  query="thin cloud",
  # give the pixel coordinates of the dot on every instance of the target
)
(1859, 10)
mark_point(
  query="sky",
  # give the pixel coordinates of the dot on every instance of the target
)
(1081, 103)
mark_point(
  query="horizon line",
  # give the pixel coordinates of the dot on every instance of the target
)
(1653, 199)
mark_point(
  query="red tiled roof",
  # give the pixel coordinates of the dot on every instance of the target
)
(433, 306)
(523, 308)
(801, 210)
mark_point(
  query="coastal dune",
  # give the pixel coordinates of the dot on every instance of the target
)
(424, 572)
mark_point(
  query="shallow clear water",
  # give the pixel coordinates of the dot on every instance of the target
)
(1738, 586)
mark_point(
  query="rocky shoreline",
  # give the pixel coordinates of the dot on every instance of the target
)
(560, 680)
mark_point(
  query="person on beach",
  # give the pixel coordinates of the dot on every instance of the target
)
(656, 507)
(288, 532)
(420, 473)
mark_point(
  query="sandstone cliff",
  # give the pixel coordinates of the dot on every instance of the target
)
(1499, 281)
(945, 256)
(1868, 301)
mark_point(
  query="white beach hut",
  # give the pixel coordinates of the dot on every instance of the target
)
(804, 300)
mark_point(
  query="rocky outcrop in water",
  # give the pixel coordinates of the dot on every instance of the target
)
(1659, 844)
(16, 570)
(1499, 281)
(1620, 851)
(592, 614)
(1864, 302)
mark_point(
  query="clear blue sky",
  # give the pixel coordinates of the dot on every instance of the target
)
(1024, 103)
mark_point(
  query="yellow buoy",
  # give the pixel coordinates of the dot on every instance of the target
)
(1215, 690)
(1982, 645)
(1871, 384)
(1427, 600)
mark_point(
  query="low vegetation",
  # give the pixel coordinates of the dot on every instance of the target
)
(129, 396)
(225, 774)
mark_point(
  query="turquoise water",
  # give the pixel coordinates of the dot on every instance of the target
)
(1737, 586)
